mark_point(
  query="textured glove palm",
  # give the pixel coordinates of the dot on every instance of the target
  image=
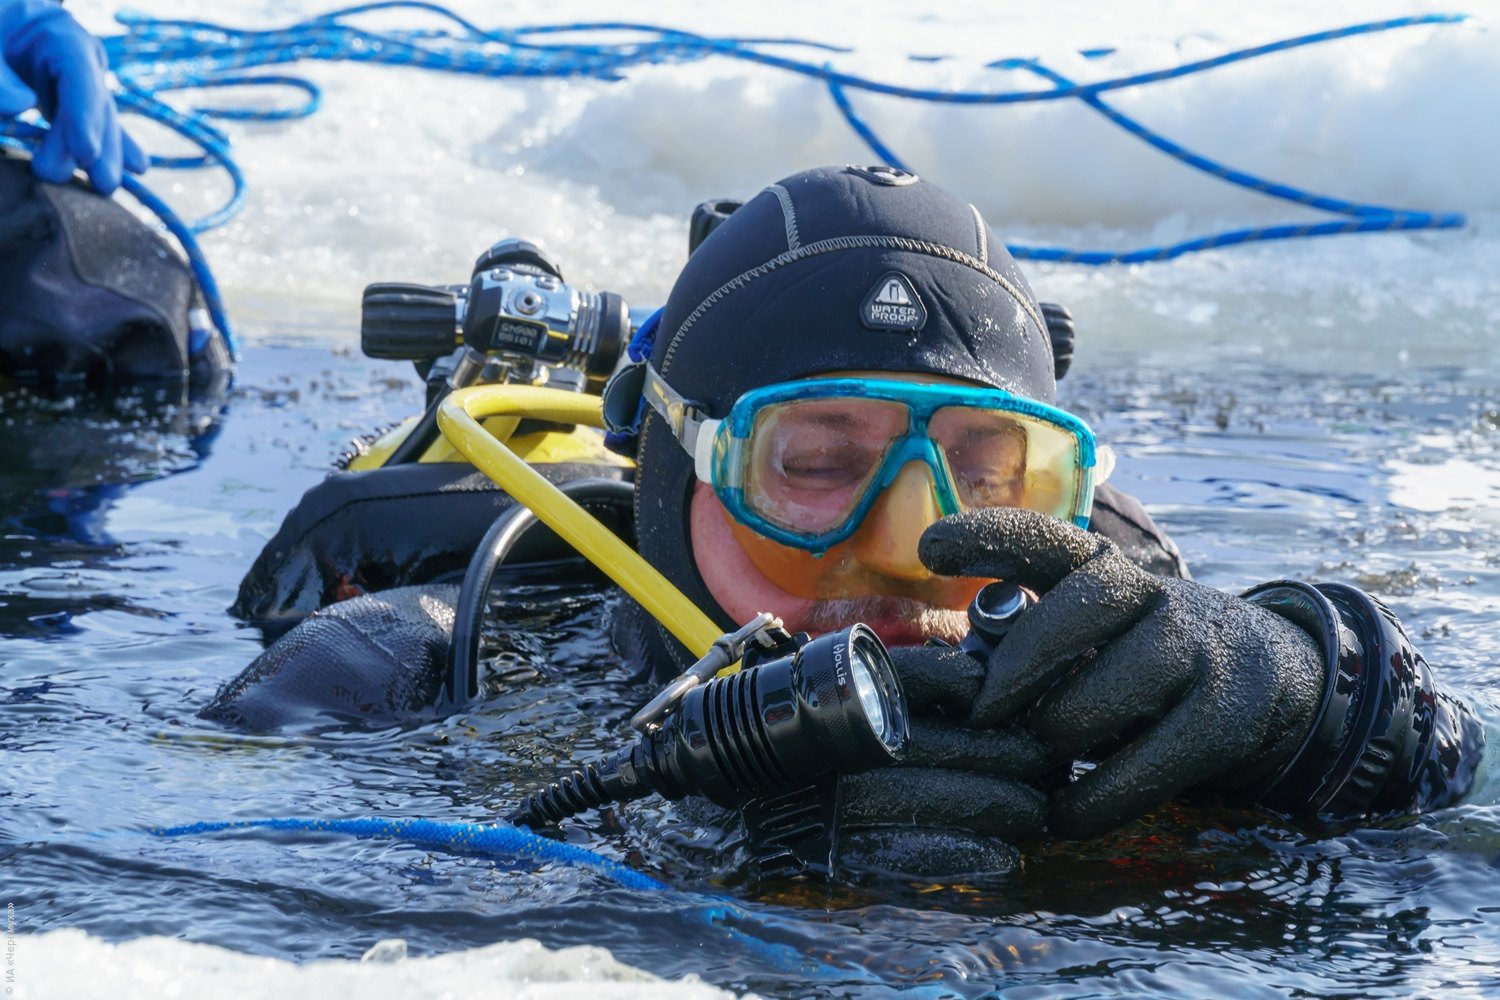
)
(50, 61)
(1167, 684)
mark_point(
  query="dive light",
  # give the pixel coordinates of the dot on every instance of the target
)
(832, 705)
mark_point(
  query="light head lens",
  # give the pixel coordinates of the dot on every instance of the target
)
(873, 699)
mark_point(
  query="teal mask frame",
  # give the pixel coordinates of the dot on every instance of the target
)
(717, 446)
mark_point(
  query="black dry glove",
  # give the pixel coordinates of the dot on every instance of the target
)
(1173, 684)
(960, 794)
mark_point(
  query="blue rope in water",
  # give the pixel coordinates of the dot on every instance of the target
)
(468, 838)
(515, 842)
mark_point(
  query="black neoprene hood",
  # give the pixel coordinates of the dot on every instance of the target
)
(785, 289)
(833, 269)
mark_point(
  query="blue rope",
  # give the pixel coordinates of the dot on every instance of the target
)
(516, 842)
(467, 838)
(196, 261)
(151, 45)
(1388, 217)
(156, 56)
(1377, 218)
(214, 143)
(313, 91)
(882, 152)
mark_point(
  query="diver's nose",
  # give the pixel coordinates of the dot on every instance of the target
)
(887, 541)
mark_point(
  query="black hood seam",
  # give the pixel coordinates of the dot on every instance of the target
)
(789, 213)
(980, 236)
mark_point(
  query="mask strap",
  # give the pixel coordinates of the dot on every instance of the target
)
(693, 429)
(621, 399)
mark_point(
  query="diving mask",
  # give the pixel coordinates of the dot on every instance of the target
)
(802, 463)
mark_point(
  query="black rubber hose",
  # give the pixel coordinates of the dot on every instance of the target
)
(580, 791)
(415, 445)
(463, 652)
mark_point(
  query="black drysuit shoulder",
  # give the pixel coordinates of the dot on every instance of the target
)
(373, 659)
(380, 529)
(90, 295)
(1122, 519)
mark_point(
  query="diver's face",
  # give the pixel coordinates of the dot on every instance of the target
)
(875, 576)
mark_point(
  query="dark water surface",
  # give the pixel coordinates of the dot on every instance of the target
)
(121, 543)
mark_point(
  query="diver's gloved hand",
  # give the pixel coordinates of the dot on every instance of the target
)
(961, 794)
(1172, 684)
(51, 62)
(376, 659)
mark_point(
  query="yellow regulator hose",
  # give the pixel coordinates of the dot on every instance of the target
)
(459, 417)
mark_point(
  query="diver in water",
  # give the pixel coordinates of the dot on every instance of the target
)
(94, 306)
(846, 414)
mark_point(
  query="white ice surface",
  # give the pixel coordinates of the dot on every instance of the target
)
(71, 965)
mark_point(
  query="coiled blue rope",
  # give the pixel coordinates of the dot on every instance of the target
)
(156, 55)
(507, 841)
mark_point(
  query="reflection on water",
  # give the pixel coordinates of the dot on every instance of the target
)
(114, 577)
(64, 463)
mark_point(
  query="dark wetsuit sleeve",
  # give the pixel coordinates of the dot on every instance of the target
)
(376, 659)
(353, 534)
(1120, 517)
(1386, 740)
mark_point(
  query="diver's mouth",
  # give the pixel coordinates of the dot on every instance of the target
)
(898, 621)
(899, 633)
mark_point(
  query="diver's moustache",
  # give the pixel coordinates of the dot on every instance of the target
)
(830, 615)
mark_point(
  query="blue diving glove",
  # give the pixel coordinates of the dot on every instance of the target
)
(51, 62)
